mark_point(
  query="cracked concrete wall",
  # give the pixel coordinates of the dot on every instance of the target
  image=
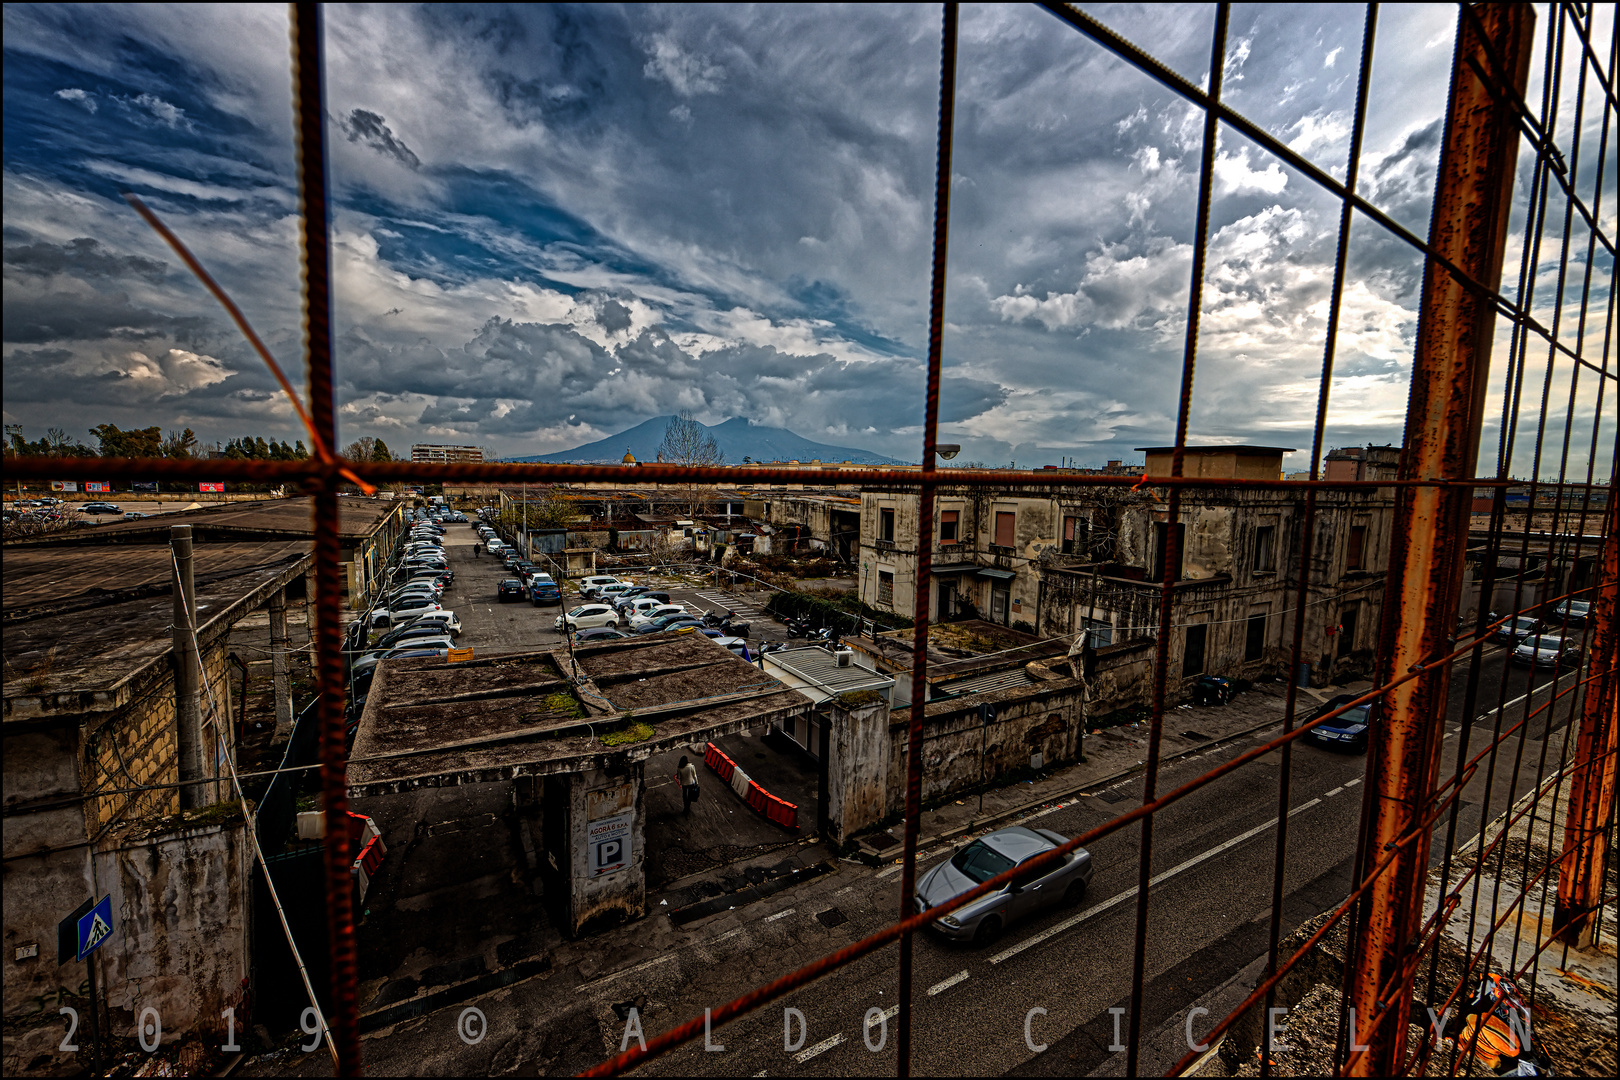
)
(858, 764)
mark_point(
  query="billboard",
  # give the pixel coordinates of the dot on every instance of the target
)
(148, 487)
(64, 485)
(217, 486)
(104, 487)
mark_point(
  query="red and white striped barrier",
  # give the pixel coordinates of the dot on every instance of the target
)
(781, 811)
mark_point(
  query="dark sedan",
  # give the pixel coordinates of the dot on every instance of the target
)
(598, 633)
(510, 589)
(983, 919)
(1347, 731)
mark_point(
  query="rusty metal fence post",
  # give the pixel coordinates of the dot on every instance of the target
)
(1473, 196)
(1590, 817)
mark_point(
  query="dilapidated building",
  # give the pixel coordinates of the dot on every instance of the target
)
(1057, 561)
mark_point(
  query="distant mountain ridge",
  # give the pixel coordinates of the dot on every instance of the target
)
(738, 439)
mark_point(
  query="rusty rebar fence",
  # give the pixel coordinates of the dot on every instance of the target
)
(1548, 315)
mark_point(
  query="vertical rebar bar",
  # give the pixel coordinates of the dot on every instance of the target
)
(310, 122)
(1444, 415)
(925, 518)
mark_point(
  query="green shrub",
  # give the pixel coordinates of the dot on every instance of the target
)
(843, 614)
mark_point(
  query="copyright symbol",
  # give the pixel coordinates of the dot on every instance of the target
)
(471, 1026)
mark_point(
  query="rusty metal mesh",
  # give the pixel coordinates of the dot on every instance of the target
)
(1551, 322)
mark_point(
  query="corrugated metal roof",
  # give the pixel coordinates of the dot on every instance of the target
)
(981, 684)
(815, 672)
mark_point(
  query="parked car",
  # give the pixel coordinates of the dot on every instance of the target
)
(1515, 629)
(509, 589)
(598, 633)
(738, 646)
(409, 607)
(589, 585)
(1572, 613)
(989, 856)
(1546, 651)
(587, 615)
(670, 622)
(400, 635)
(443, 617)
(543, 590)
(653, 614)
(1347, 731)
(638, 606)
(133, 515)
(429, 647)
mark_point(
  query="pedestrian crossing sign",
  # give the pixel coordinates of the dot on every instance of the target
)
(95, 928)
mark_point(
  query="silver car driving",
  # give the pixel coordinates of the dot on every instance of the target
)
(983, 920)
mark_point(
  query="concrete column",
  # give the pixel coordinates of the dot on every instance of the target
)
(606, 830)
(281, 678)
(187, 672)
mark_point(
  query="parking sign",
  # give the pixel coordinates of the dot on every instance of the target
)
(610, 844)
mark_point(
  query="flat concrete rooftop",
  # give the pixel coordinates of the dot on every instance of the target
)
(271, 518)
(429, 723)
(83, 625)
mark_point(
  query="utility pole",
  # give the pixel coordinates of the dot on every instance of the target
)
(187, 673)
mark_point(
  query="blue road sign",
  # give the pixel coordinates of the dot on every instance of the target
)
(95, 928)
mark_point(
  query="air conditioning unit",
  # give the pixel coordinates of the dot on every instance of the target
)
(846, 657)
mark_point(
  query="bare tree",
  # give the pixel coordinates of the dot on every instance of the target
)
(687, 442)
(361, 449)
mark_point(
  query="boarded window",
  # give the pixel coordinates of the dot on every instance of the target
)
(1254, 644)
(1161, 536)
(885, 589)
(947, 526)
(1358, 542)
(886, 525)
(1192, 657)
(1004, 528)
(1265, 549)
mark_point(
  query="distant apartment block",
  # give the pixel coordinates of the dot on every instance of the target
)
(449, 455)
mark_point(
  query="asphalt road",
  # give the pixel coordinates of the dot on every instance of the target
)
(1210, 903)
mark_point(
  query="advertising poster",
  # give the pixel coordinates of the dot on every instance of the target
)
(64, 485)
(103, 487)
(219, 487)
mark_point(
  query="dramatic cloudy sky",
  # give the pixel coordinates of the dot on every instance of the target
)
(556, 222)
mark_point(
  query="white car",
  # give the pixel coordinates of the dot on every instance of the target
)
(656, 612)
(442, 617)
(588, 586)
(587, 615)
(638, 606)
(408, 608)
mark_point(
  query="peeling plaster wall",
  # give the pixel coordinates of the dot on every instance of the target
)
(859, 749)
(1045, 717)
(180, 922)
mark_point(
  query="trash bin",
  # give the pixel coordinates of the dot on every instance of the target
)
(1304, 678)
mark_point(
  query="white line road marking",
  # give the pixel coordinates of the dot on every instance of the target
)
(724, 937)
(820, 1048)
(779, 915)
(609, 978)
(1120, 898)
(1332, 793)
(941, 987)
(1352, 783)
(888, 1014)
(845, 889)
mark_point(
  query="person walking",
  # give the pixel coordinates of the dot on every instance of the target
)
(478, 549)
(686, 776)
